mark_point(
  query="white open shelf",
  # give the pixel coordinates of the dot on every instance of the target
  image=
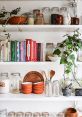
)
(36, 97)
(38, 28)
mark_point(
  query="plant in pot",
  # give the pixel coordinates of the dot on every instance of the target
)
(67, 51)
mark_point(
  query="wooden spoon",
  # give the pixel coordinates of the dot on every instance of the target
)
(52, 73)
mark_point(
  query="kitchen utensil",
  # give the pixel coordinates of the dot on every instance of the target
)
(52, 73)
(33, 76)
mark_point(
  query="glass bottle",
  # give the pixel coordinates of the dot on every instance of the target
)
(4, 83)
(66, 16)
(56, 88)
(46, 13)
(3, 113)
(15, 83)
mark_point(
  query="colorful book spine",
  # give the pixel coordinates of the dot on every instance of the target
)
(18, 52)
(22, 51)
(9, 51)
(39, 52)
(35, 51)
(31, 50)
(12, 50)
(28, 48)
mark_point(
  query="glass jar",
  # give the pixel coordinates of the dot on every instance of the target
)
(39, 19)
(46, 13)
(19, 114)
(48, 88)
(15, 83)
(56, 88)
(66, 16)
(31, 19)
(45, 114)
(11, 114)
(28, 114)
(4, 83)
(3, 113)
(36, 114)
(35, 12)
(56, 18)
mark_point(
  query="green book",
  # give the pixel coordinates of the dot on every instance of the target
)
(12, 50)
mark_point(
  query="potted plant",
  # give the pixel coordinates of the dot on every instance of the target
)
(67, 51)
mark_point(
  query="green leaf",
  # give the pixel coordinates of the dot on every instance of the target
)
(57, 52)
(63, 60)
(72, 57)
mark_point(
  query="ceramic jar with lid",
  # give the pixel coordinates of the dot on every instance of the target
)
(15, 83)
(46, 13)
(4, 83)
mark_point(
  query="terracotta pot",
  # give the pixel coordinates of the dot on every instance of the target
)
(17, 20)
(71, 112)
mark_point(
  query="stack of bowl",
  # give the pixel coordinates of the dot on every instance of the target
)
(26, 87)
(38, 88)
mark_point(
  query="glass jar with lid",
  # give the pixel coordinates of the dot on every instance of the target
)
(31, 19)
(19, 114)
(28, 114)
(4, 83)
(39, 19)
(56, 17)
(66, 15)
(46, 13)
(11, 114)
(3, 113)
(15, 83)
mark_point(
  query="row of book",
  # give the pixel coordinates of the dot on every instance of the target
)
(21, 51)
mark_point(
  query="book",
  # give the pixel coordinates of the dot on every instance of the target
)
(28, 48)
(9, 51)
(39, 52)
(12, 50)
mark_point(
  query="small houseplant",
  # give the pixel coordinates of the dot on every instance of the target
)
(66, 50)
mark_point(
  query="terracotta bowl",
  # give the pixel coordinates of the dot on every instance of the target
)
(71, 112)
(17, 20)
(2, 21)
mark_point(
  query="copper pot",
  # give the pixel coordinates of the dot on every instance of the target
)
(17, 20)
(71, 112)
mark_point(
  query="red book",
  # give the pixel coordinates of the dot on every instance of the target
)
(35, 51)
(31, 50)
(28, 49)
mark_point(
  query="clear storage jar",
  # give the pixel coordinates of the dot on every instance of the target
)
(66, 15)
(56, 88)
(31, 19)
(11, 114)
(39, 20)
(46, 13)
(48, 88)
(4, 83)
(19, 114)
(3, 113)
(15, 83)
